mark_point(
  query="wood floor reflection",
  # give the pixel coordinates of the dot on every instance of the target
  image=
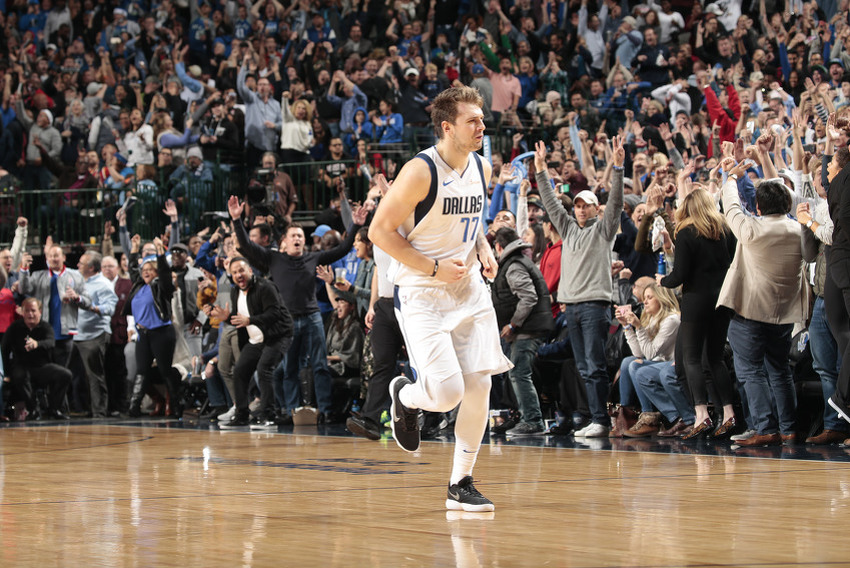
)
(123, 495)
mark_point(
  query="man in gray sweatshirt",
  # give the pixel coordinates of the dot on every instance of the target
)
(586, 286)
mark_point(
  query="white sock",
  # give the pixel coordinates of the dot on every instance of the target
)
(471, 423)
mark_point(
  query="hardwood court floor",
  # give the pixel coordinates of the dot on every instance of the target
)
(159, 494)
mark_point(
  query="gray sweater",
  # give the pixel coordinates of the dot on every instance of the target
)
(586, 252)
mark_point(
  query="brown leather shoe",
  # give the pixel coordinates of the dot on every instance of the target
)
(827, 437)
(762, 440)
(647, 425)
(789, 439)
(724, 429)
(677, 429)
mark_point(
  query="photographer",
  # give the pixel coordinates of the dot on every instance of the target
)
(271, 192)
(219, 137)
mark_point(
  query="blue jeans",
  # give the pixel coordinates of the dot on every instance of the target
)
(629, 389)
(588, 326)
(308, 347)
(761, 363)
(217, 392)
(659, 383)
(827, 363)
(522, 356)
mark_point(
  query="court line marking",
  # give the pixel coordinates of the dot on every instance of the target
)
(407, 487)
(487, 442)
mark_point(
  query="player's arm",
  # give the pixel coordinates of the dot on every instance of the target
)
(482, 247)
(409, 189)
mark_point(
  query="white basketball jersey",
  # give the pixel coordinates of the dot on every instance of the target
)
(447, 222)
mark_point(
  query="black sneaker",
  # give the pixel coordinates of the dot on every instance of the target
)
(504, 426)
(405, 421)
(564, 428)
(839, 407)
(239, 420)
(363, 427)
(263, 423)
(463, 496)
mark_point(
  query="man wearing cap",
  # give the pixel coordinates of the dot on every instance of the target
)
(42, 129)
(193, 89)
(34, 20)
(627, 41)
(200, 31)
(191, 184)
(481, 82)
(319, 32)
(187, 283)
(836, 72)
(120, 24)
(219, 137)
(413, 105)
(586, 287)
(317, 234)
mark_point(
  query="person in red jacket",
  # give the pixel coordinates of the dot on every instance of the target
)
(717, 108)
(550, 262)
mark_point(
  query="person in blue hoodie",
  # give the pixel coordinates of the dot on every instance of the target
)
(362, 129)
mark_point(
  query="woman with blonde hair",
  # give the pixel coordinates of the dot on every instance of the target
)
(296, 138)
(652, 339)
(703, 252)
(166, 136)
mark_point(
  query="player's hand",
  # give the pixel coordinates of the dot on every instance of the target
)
(451, 270)
(488, 261)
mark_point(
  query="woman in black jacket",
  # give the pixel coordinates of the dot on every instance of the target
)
(265, 333)
(704, 250)
(150, 305)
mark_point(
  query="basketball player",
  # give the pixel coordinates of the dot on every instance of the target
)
(431, 225)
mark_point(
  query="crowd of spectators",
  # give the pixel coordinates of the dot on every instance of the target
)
(120, 102)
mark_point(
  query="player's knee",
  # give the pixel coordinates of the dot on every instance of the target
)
(451, 393)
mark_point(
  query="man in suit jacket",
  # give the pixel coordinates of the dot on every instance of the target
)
(767, 289)
(51, 287)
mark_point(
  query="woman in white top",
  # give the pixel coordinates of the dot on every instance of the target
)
(296, 138)
(652, 339)
(138, 141)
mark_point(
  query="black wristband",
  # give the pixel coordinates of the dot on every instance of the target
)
(436, 267)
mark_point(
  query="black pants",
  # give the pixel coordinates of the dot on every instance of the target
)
(703, 331)
(836, 297)
(387, 343)
(253, 157)
(262, 358)
(54, 378)
(93, 353)
(62, 352)
(116, 377)
(158, 344)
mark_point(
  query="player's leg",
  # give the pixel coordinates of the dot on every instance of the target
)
(469, 430)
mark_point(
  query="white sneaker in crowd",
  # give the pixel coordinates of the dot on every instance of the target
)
(227, 416)
(592, 430)
(743, 436)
